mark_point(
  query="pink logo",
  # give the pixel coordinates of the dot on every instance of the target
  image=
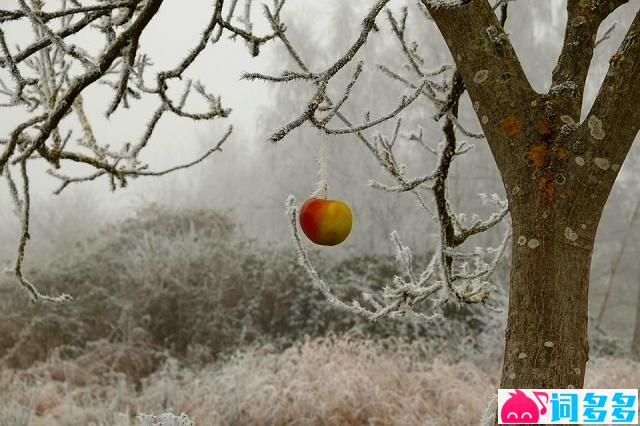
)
(519, 408)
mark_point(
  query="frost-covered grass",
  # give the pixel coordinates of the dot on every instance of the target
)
(330, 381)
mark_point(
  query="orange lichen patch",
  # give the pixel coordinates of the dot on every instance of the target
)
(547, 187)
(538, 155)
(544, 128)
(572, 193)
(511, 125)
(561, 153)
(541, 154)
(588, 13)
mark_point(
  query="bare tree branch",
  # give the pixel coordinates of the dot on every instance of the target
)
(583, 21)
(26, 212)
(442, 280)
(614, 113)
(489, 68)
(57, 92)
(9, 15)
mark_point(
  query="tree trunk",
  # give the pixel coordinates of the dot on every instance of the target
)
(558, 172)
(635, 342)
(546, 335)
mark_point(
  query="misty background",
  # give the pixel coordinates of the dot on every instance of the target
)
(251, 178)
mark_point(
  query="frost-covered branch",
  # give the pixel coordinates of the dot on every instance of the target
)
(396, 306)
(322, 78)
(25, 205)
(50, 88)
(404, 103)
(140, 170)
(54, 38)
(14, 15)
(407, 293)
(579, 44)
(616, 100)
(451, 275)
(21, 82)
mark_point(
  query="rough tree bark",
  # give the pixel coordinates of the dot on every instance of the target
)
(557, 172)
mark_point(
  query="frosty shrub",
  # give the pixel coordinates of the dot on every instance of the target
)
(188, 284)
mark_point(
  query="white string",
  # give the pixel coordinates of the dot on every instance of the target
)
(322, 187)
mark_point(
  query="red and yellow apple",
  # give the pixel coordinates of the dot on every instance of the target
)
(325, 222)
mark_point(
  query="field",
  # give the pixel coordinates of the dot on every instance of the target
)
(175, 311)
(326, 381)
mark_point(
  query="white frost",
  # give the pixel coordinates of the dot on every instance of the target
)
(490, 412)
(445, 3)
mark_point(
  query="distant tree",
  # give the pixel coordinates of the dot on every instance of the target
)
(617, 261)
(557, 169)
(635, 341)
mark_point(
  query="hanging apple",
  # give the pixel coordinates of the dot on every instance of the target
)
(325, 222)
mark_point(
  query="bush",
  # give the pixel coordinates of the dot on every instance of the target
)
(165, 279)
(185, 283)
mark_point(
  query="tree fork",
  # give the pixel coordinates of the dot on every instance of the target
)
(557, 173)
